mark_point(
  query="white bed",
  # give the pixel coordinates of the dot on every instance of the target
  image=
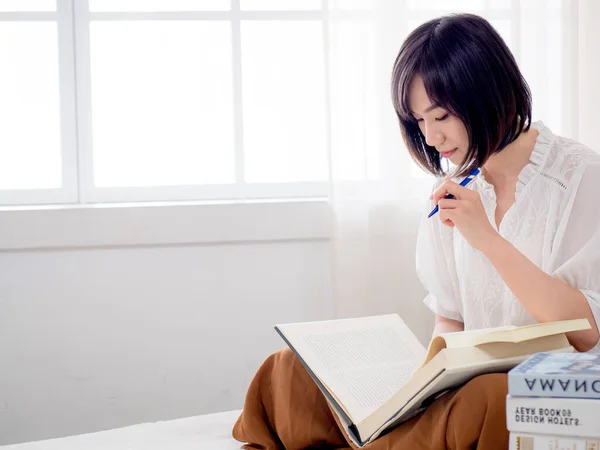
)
(206, 432)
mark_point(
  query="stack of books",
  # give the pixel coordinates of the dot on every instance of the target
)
(553, 402)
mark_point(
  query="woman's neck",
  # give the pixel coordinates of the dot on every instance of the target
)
(507, 164)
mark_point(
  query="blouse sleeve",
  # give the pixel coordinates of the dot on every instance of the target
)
(575, 255)
(436, 268)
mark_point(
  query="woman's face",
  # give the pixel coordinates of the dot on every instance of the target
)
(440, 128)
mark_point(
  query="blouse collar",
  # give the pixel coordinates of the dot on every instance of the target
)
(537, 160)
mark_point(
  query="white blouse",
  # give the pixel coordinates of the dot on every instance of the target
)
(555, 222)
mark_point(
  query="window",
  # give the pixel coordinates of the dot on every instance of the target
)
(217, 100)
(163, 100)
(37, 146)
(134, 100)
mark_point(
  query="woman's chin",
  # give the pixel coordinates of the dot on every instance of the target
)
(457, 158)
(455, 161)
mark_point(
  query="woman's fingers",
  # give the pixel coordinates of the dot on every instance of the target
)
(450, 187)
(445, 216)
(448, 203)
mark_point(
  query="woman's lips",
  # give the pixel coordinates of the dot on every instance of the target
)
(448, 154)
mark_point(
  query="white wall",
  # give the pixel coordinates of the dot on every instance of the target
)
(116, 316)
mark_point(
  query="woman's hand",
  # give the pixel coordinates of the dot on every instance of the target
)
(465, 211)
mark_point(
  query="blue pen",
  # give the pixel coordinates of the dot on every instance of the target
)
(463, 183)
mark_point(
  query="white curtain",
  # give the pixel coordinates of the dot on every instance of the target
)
(377, 193)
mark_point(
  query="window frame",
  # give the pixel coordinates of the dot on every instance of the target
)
(239, 190)
(73, 20)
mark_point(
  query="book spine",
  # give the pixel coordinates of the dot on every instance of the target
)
(541, 385)
(559, 416)
(527, 441)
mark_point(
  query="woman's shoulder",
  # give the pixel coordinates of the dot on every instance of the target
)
(575, 151)
(565, 158)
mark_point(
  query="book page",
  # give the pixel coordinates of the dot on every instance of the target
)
(453, 367)
(362, 361)
(458, 339)
(512, 334)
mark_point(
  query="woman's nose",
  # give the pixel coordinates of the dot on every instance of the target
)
(433, 136)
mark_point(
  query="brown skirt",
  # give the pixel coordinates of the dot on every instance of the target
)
(284, 409)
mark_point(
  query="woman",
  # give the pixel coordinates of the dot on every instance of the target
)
(521, 244)
(527, 237)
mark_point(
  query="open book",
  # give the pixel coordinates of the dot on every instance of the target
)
(376, 374)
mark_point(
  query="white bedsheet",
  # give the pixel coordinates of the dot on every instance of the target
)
(206, 432)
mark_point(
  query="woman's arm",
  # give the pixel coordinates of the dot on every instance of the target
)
(545, 297)
(445, 325)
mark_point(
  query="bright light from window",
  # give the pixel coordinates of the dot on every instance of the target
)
(30, 155)
(162, 103)
(284, 101)
(357, 5)
(27, 5)
(355, 124)
(158, 5)
(280, 5)
(441, 5)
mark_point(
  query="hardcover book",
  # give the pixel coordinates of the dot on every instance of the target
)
(376, 374)
(551, 415)
(545, 374)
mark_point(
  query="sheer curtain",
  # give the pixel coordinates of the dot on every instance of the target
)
(377, 193)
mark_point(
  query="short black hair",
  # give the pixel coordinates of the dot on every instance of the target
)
(467, 69)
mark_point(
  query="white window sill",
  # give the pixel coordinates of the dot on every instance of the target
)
(153, 224)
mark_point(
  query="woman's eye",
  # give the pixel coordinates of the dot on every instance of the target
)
(419, 120)
(444, 117)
